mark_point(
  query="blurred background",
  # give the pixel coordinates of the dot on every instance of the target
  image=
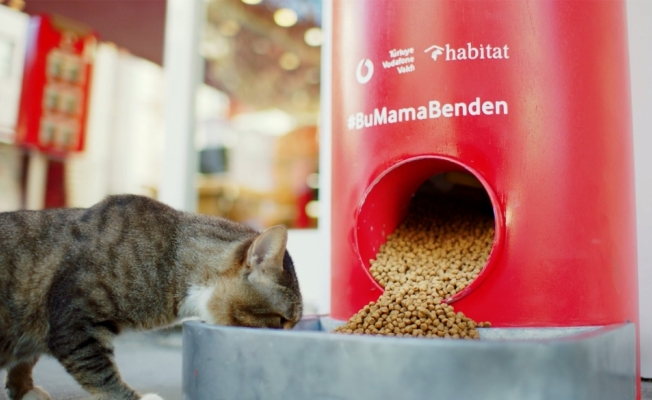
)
(85, 110)
(256, 110)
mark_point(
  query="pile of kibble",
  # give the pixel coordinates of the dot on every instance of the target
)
(440, 247)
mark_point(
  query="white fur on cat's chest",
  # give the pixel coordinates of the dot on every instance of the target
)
(196, 304)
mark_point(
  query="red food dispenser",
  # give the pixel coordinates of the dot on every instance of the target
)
(532, 98)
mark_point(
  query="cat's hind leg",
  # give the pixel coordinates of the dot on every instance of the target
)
(89, 359)
(19, 384)
(36, 394)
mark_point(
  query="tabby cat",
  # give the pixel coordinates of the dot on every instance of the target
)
(72, 279)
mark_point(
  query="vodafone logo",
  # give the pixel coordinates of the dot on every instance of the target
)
(365, 71)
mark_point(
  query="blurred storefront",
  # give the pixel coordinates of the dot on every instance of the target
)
(82, 106)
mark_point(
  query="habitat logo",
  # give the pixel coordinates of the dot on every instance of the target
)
(469, 52)
(435, 51)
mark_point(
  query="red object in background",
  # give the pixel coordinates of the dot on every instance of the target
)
(56, 83)
(530, 97)
(55, 195)
(302, 220)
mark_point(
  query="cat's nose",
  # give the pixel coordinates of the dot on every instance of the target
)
(288, 324)
(293, 318)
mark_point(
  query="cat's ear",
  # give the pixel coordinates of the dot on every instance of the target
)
(267, 250)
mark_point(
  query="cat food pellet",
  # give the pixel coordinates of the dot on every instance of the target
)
(438, 250)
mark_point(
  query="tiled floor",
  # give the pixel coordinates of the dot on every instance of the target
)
(150, 363)
(646, 389)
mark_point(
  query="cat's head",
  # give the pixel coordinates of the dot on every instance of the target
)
(262, 289)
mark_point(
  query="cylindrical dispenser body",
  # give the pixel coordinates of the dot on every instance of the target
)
(531, 97)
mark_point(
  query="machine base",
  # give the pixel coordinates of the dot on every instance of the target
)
(591, 363)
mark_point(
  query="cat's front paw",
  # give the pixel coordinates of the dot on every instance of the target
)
(36, 394)
(151, 396)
